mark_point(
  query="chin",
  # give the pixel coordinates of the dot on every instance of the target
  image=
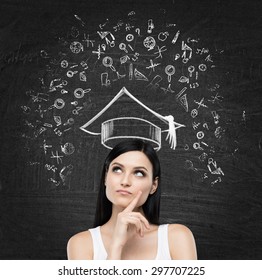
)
(121, 202)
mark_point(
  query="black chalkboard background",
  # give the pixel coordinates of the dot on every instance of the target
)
(40, 209)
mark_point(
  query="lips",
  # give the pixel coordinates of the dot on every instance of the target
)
(124, 192)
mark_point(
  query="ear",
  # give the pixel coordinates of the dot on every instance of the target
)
(105, 179)
(154, 186)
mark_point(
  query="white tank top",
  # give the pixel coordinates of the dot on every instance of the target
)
(163, 252)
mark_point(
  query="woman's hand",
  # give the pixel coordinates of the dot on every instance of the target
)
(128, 223)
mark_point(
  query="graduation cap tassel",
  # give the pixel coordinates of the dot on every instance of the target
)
(171, 135)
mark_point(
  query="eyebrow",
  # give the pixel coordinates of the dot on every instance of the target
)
(136, 167)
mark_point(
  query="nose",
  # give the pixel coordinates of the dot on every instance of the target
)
(126, 180)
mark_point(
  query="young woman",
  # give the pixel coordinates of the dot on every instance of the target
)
(127, 216)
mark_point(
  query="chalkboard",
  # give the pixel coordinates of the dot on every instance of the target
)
(76, 77)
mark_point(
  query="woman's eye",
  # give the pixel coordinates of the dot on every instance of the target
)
(139, 173)
(117, 170)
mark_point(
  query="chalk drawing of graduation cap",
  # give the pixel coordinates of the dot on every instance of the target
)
(119, 128)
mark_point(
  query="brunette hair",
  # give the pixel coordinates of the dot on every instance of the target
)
(151, 207)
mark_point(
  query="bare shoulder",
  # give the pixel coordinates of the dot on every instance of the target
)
(179, 229)
(181, 242)
(80, 246)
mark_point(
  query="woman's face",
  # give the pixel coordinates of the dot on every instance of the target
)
(127, 174)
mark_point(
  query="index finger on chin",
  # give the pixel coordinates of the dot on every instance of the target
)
(133, 203)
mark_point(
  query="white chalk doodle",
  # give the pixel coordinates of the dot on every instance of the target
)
(195, 125)
(130, 37)
(82, 76)
(68, 148)
(194, 85)
(194, 113)
(119, 76)
(190, 166)
(162, 36)
(63, 91)
(215, 116)
(139, 76)
(191, 69)
(170, 70)
(212, 167)
(76, 47)
(216, 181)
(84, 65)
(138, 31)
(152, 65)
(98, 52)
(183, 101)
(108, 36)
(103, 46)
(187, 52)
(70, 73)
(80, 93)
(150, 26)
(201, 103)
(58, 132)
(58, 120)
(153, 55)
(77, 109)
(160, 51)
(181, 92)
(197, 146)
(104, 79)
(45, 146)
(183, 79)
(174, 40)
(122, 47)
(57, 157)
(65, 172)
(168, 89)
(59, 103)
(70, 121)
(124, 59)
(219, 132)
(169, 120)
(203, 157)
(81, 21)
(51, 167)
(64, 63)
(108, 62)
(205, 125)
(202, 67)
(200, 135)
(155, 83)
(149, 43)
(216, 98)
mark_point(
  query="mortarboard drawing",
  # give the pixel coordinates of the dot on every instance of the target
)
(133, 127)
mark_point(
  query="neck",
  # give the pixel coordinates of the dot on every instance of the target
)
(115, 211)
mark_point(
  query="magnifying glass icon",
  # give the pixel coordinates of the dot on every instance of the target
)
(197, 146)
(108, 62)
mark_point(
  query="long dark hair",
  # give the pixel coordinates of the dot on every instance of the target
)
(151, 207)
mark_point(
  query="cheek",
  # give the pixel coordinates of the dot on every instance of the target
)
(145, 193)
(109, 181)
(109, 192)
